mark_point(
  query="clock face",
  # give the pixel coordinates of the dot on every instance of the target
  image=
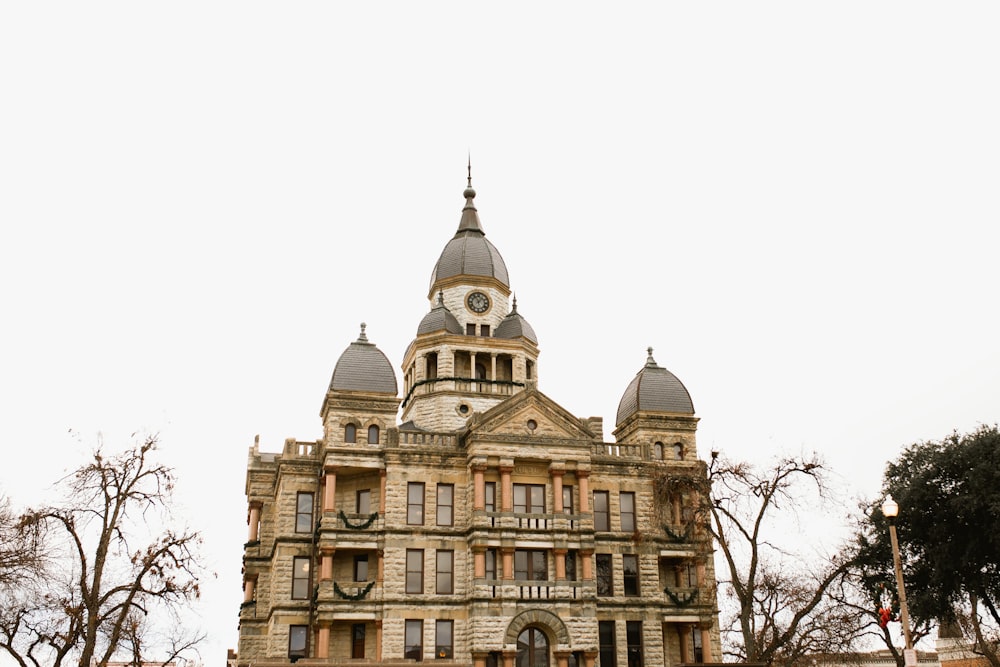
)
(478, 302)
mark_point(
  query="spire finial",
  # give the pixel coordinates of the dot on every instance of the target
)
(470, 169)
(514, 308)
(649, 359)
(440, 297)
(363, 338)
(469, 193)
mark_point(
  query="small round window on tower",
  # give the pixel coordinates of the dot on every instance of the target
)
(532, 424)
(463, 409)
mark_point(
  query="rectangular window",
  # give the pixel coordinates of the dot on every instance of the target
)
(491, 564)
(571, 565)
(567, 499)
(414, 570)
(300, 578)
(606, 640)
(413, 641)
(415, 503)
(530, 565)
(297, 637)
(361, 567)
(470, 329)
(445, 504)
(601, 519)
(633, 641)
(358, 641)
(529, 498)
(491, 497)
(605, 580)
(696, 644)
(630, 573)
(363, 502)
(445, 573)
(303, 513)
(444, 632)
(627, 507)
(484, 330)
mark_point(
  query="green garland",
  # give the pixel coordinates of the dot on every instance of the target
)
(681, 601)
(359, 526)
(251, 543)
(679, 538)
(360, 595)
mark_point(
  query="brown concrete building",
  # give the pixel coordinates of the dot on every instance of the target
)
(488, 526)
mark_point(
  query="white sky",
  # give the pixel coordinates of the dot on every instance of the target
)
(794, 203)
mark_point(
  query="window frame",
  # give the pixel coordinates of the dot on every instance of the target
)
(531, 563)
(533, 493)
(360, 563)
(604, 565)
(414, 558)
(444, 577)
(306, 516)
(413, 508)
(630, 581)
(449, 648)
(449, 506)
(631, 514)
(567, 495)
(491, 555)
(633, 649)
(490, 496)
(298, 632)
(413, 625)
(602, 517)
(373, 428)
(607, 651)
(350, 434)
(363, 507)
(358, 641)
(300, 582)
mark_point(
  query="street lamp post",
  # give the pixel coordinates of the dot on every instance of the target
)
(890, 508)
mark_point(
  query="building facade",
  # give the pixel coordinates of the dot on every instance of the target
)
(470, 519)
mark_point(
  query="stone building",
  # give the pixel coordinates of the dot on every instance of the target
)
(487, 526)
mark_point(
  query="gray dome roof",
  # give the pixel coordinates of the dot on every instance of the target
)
(363, 367)
(654, 389)
(439, 319)
(515, 326)
(468, 253)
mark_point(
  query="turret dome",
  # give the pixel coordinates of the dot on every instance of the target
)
(654, 389)
(469, 253)
(515, 326)
(363, 367)
(439, 319)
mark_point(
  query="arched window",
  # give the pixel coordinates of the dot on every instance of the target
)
(658, 451)
(373, 435)
(532, 648)
(678, 451)
(350, 433)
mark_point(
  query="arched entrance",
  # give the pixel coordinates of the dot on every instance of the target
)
(532, 648)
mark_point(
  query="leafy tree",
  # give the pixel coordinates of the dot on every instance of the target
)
(949, 531)
(784, 611)
(118, 570)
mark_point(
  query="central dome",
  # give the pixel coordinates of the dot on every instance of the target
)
(469, 253)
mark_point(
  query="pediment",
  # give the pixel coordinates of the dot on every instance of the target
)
(515, 417)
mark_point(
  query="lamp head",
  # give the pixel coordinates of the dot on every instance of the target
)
(890, 508)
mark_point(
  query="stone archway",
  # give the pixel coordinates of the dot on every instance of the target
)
(540, 618)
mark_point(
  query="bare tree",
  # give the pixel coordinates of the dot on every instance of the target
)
(783, 611)
(116, 562)
(20, 557)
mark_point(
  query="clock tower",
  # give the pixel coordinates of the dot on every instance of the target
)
(473, 349)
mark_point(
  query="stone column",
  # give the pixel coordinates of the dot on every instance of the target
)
(253, 519)
(479, 659)
(706, 641)
(478, 486)
(675, 507)
(326, 563)
(249, 587)
(479, 562)
(583, 477)
(562, 658)
(699, 575)
(508, 562)
(557, 488)
(586, 557)
(323, 641)
(506, 489)
(589, 657)
(381, 492)
(560, 564)
(509, 658)
(684, 635)
(378, 640)
(330, 489)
